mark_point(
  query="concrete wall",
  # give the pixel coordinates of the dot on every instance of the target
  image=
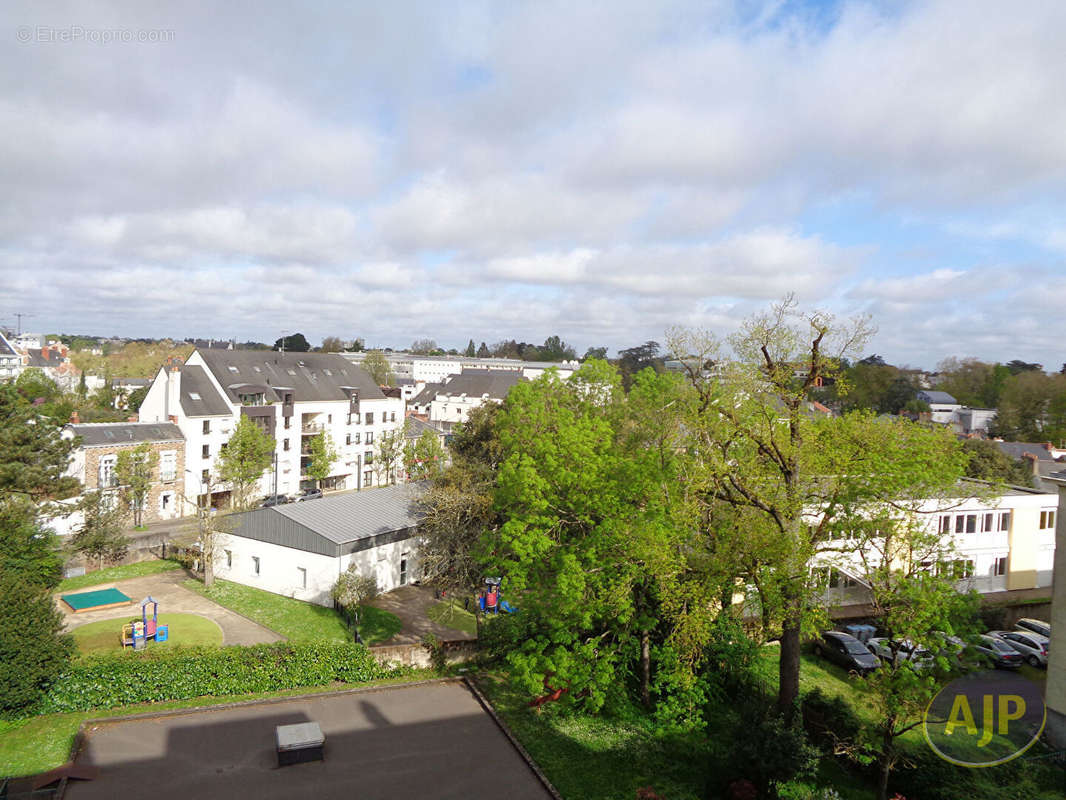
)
(415, 655)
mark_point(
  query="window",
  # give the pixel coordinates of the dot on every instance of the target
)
(368, 478)
(301, 575)
(356, 437)
(206, 451)
(971, 523)
(168, 465)
(368, 458)
(988, 523)
(194, 396)
(1000, 566)
(369, 437)
(255, 565)
(207, 426)
(369, 417)
(329, 419)
(945, 524)
(1047, 520)
(229, 559)
(288, 422)
(403, 569)
(960, 523)
(164, 501)
(205, 475)
(1004, 521)
(285, 445)
(348, 439)
(106, 472)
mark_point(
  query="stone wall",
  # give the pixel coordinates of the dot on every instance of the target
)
(456, 651)
(153, 505)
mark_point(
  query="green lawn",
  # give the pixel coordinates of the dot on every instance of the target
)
(377, 625)
(37, 744)
(294, 619)
(182, 629)
(112, 574)
(451, 614)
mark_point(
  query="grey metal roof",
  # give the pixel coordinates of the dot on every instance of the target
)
(310, 376)
(207, 402)
(100, 434)
(337, 524)
(934, 396)
(479, 382)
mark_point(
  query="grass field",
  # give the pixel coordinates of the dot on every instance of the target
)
(294, 619)
(182, 629)
(36, 744)
(112, 574)
(451, 614)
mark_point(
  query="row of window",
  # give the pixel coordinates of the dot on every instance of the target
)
(1047, 520)
(985, 522)
(168, 468)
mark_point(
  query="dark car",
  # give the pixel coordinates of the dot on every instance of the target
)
(309, 494)
(274, 500)
(1032, 646)
(846, 651)
(1034, 625)
(997, 651)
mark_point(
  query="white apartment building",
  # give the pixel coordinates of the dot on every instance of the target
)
(435, 369)
(292, 397)
(10, 360)
(992, 544)
(943, 408)
(450, 402)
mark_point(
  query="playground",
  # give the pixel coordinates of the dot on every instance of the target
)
(426, 740)
(184, 630)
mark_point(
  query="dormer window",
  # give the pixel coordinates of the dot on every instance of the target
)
(233, 369)
(252, 399)
(194, 396)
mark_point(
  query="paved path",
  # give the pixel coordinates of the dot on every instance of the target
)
(166, 588)
(410, 603)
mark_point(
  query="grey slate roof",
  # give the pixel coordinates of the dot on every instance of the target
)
(416, 427)
(479, 382)
(429, 391)
(934, 396)
(5, 347)
(1020, 449)
(337, 524)
(114, 433)
(310, 376)
(194, 381)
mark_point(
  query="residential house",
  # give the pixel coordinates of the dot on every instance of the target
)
(53, 359)
(435, 369)
(460, 394)
(1042, 457)
(293, 397)
(942, 406)
(10, 360)
(971, 421)
(300, 549)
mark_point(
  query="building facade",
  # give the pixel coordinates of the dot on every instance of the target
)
(292, 397)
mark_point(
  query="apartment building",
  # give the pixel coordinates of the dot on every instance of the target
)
(435, 369)
(293, 397)
(10, 360)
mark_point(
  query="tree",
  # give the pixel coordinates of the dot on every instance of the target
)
(247, 454)
(988, 463)
(595, 352)
(357, 345)
(134, 469)
(332, 344)
(972, 382)
(352, 589)
(760, 453)
(34, 457)
(1032, 408)
(323, 456)
(483, 351)
(379, 368)
(1017, 366)
(133, 402)
(205, 533)
(634, 359)
(101, 534)
(423, 346)
(424, 459)
(295, 343)
(388, 455)
(555, 349)
(26, 549)
(33, 385)
(470, 350)
(33, 649)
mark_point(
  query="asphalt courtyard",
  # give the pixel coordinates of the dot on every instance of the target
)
(426, 741)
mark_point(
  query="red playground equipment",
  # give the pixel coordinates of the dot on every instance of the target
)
(136, 634)
(490, 600)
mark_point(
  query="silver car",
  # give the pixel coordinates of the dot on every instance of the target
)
(883, 647)
(1034, 625)
(1031, 645)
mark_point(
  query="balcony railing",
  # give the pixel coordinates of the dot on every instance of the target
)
(312, 427)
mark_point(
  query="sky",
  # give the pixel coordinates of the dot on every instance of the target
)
(488, 170)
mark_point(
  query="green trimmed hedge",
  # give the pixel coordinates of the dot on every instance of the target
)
(115, 679)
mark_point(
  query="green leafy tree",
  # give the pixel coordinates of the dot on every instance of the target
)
(388, 455)
(595, 352)
(323, 456)
(247, 455)
(33, 455)
(973, 382)
(332, 344)
(425, 457)
(988, 463)
(102, 533)
(134, 469)
(136, 397)
(555, 349)
(33, 649)
(34, 386)
(296, 343)
(379, 368)
(471, 349)
(26, 549)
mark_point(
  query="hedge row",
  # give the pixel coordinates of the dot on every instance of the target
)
(159, 674)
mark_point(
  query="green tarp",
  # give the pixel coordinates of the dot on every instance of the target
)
(100, 597)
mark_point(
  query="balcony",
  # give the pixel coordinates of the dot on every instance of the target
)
(312, 428)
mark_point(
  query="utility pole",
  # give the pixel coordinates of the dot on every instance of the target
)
(19, 318)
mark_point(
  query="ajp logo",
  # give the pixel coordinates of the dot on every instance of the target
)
(984, 719)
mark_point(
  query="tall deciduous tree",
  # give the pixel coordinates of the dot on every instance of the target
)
(135, 469)
(379, 368)
(332, 344)
(295, 343)
(424, 458)
(388, 455)
(247, 455)
(323, 456)
(423, 346)
(102, 533)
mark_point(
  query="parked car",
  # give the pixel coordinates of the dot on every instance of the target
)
(1031, 645)
(886, 649)
(846, 651)
(998, 652)
(1034, 625)
(274, 500)
(309, 494)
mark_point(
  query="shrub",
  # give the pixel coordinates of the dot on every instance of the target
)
(828, 720)
(500, 635)
(437, 656)
(768, 750)
(114, 679)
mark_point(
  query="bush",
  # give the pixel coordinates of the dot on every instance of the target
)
(156, 675)
(828, 720)
(767, 750)
(502, 634)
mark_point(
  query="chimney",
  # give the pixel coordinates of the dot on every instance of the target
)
(1049, 446)
(74, 419)
(1034, 462)
(132, 418)
(173, 419)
